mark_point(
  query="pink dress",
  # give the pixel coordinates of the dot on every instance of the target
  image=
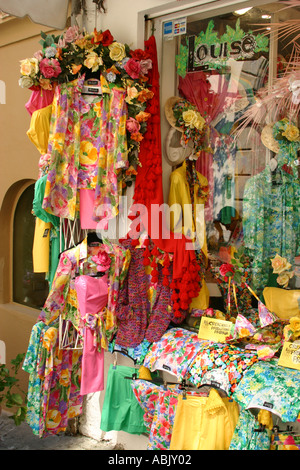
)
(92, 297)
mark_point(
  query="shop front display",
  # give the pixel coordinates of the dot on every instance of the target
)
(192, 293)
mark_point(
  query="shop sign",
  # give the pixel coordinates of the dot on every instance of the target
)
(216, 330)
(208, 50)
(290, 356)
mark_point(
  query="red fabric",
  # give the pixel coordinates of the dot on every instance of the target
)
(149, 191)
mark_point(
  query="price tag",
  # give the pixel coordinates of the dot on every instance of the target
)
(215, 330)
(290, 356)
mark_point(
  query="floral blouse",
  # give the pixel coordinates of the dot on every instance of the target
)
(88, 146)
(62, 299)
(271, 216)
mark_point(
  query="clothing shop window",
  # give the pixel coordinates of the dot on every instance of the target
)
(222, 62)
(29, 288)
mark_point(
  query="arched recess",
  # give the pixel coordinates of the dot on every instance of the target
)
(7, 213)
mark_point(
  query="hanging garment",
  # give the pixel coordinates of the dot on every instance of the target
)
(39, 129)
(46, 234)
(204, 423)
(174, 352)
(269, 386)
(54, 382)
(183, 221)
(137, 354)
(271, 216)
(88, 146)
(246, 436)
(121, 411)
(138, 318)
(33, 410)
(62, 300)
(92, 296)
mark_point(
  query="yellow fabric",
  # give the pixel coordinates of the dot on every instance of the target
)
(41, 246)
(38, 131)
(204, 423)
(282, 302)
(181, 220)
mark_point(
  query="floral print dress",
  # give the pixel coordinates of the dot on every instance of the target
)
(271, 216)
(88, 146)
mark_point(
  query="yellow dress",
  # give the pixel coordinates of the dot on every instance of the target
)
(181, 220)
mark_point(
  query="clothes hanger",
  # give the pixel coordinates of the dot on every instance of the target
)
(93, 238)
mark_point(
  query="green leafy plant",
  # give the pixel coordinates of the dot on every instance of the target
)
(9, 390)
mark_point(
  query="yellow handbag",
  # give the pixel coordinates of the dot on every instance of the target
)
(284, 303)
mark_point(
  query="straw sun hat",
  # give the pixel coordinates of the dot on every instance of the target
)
(176, 153)
(267, 138)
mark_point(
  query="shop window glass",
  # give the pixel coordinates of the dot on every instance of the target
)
(29, 288)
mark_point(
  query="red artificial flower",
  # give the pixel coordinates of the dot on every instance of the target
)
(107, 38)
(139, 54)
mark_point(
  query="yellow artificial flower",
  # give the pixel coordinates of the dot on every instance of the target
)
(295, 324)
(199, 122)
(117, 51)
(280, 264)
(93, 61)
(29, 67)
(283, 278)
(291, 133)
(132, 93)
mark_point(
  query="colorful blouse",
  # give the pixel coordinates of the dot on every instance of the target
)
(62, 299)
(88, 146)
(271, 222)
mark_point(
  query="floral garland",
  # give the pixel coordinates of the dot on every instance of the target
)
(192, 124)
(68, 56)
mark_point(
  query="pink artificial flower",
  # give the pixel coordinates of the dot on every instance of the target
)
(225, 268)
(146, 65)
(72, 34)
(133, 68)
(50, 68)
(132, 125)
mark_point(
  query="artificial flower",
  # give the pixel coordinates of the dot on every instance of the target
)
(26, 82)
(107, 38)
(146, 65)
(226, 268)
(29, 67)
(131, 171)
(45, 83)
(133, 68)
(139, 54)
(132, 125)
(132, 93)
(280, 264)
(145, 95)
(137, 136)
(75, 68)
(142, 116)
(283, 278)
(93, 61)
(291, 133)
(72, 34)
(117, 51)
(50, 68)
(295, 324)
(50, 52)
(97, 37)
